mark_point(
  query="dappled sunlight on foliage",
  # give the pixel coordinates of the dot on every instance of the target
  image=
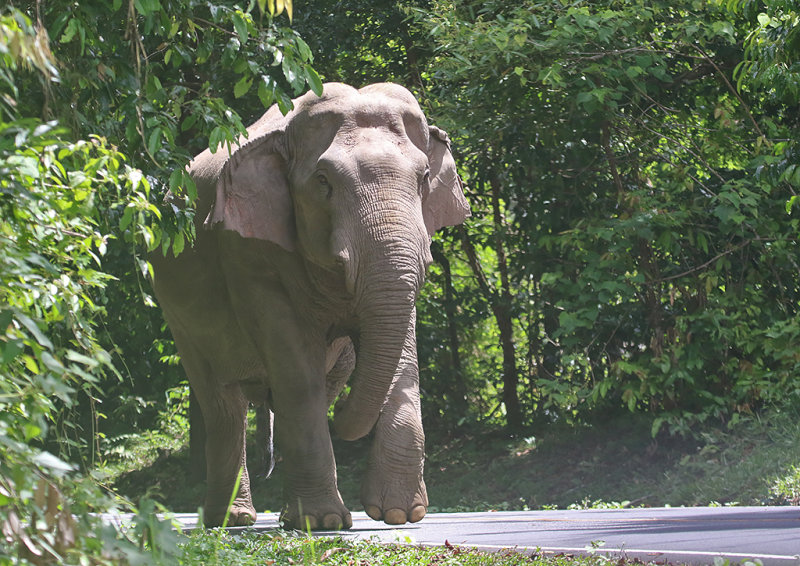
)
(639, 200)
(633, 170)
(93, 132)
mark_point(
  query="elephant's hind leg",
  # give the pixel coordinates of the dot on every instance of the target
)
(293, 354)
(225, 415)
(344, 354)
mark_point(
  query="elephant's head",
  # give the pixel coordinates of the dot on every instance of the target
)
(356, 182)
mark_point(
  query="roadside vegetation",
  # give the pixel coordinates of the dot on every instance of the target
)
(250, 548)
(617, 324)
(611, 464)
(608, 465)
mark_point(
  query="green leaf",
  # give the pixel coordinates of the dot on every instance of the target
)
(658, 422)
(146, 7)
(285, 103)
(266, 90)
(189, 122)
(127, 217)
(795, 199)
(313, 80)
(52, 463)
(294, 74)
(304, 50)
(30, 364)
(190, 186)
(70, 31)
(634, 71)
(240, 25)
(242, 86)
(175, 180)
(51, 362)
(154, 142)
(25, 165)
(216, 137)
(33, 328)
(10, 350)
(74, 356)
(178, 244)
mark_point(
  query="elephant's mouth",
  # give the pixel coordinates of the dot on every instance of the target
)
(345, 328)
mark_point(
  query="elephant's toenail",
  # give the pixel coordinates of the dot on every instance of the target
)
(394, 517)
(373, 511)
(417, 513)
(332, 522)
(309, 522)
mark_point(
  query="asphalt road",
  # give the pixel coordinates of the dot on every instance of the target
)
(692, 535)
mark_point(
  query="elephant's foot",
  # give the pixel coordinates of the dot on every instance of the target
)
(395, 500)
(396, 516)
(241, 515)
(317, 514)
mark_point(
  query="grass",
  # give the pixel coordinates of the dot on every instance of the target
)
(615, 463)
(755, 463)
(249, 547)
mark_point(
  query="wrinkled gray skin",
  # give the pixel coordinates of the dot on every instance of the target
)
(313, 240)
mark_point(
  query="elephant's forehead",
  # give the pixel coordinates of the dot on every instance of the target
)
(363, 110)
(344, 116)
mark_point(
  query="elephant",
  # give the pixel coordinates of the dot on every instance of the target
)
(313, 238)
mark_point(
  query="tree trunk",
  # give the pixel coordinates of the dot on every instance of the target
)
(458, 385)
(500, 303)
(505, 322)
(647, 261)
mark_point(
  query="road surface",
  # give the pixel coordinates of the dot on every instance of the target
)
(692, 535)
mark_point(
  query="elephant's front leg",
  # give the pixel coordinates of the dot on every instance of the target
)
(394, 489)
(310, 490)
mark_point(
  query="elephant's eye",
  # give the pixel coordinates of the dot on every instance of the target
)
(324, 184)
(425, 185)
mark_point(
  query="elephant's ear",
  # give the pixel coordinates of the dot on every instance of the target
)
(253, 194)
(445, 205)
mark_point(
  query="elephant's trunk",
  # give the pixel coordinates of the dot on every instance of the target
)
(386, 290)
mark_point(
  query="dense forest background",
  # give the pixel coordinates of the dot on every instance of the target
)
(632, 168)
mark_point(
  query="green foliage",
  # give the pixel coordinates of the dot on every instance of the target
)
(786, 489)
(50, 247)
(633, 171)
(639, 197)
(101, 106)
(365, 41)
(772, 48)
(160, 82)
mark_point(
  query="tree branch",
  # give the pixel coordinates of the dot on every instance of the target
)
(732, 89)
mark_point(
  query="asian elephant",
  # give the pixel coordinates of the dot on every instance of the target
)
(313, 241)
